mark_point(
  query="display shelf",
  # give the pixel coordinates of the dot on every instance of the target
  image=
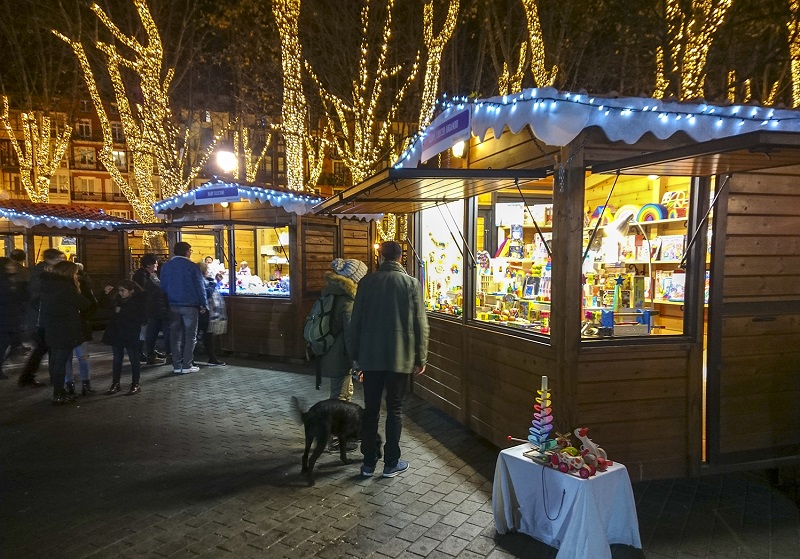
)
(643, 223)
(530, 226)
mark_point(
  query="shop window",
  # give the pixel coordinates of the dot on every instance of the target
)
(512, 281)
(440, 250)
(634, 284)
(261, 265)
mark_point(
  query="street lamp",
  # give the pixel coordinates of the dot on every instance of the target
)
(226, 158)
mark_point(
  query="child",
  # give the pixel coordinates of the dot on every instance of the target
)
(122, 333)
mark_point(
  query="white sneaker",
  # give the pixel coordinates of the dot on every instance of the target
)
(191, 369)
(179, 371)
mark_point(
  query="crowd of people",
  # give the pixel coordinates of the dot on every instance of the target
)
(379, 322)
(54, 305)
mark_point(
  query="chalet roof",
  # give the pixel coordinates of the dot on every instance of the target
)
(29, 214)
(556, 118)
(290, 200)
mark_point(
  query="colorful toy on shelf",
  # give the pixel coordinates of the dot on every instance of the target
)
(652, 212)
(676, 202)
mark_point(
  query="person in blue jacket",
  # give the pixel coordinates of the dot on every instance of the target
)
(185, 289)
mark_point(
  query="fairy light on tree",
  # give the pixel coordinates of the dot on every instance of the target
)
(361, 134)
(508, 82)
(794, 49)
(690, 37)
(316, 147)
(294, 110)
(38, 157)
(151, 133)
(241, 145)
(542, 76)
(435, 45)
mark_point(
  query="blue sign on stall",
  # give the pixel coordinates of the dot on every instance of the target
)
(216, 194)
(446, 134)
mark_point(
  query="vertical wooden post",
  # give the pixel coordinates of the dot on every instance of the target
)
(565, 319)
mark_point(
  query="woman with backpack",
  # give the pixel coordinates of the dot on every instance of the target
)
(341, 283)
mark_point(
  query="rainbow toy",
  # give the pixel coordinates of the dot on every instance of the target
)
(542, 425)
(652, 212)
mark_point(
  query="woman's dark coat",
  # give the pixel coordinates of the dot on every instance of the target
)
(11, 305)
(88, 314)
(60, 314)
(127, 317)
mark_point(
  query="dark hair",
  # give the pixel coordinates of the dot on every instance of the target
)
(391, 250)
(18, 254)
(181, 249)
(130, 285)
(148, 260)
(51, 254)
(65, 268)
(4, 262)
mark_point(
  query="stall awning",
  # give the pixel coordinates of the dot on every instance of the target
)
(735, 154)
(411, 190)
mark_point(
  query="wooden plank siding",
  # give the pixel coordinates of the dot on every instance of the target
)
(758, 382)
(635, 400)
(262, 326)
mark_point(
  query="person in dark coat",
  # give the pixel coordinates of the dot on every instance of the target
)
(60, 317)
(157, 308)
(390, 342)
(11, 316)
(341, 281)
(21, 278)
(82, 351)
(28, 376)
(122, 333)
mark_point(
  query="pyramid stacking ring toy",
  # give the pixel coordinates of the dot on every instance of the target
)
(542, 424)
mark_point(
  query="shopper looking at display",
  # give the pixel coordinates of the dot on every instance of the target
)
(390, 340)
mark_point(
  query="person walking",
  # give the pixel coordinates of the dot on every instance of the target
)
(184, 286)
(10, 318)
(389, 331)
(212, 320)
(122, 334)
(21, 279)
(82, 351)
(61, 305)
(157, 308)
(51, 257)
(341, 282)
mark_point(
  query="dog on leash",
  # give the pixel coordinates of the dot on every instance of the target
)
(325, 419)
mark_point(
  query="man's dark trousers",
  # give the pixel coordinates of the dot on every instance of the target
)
(396, 385)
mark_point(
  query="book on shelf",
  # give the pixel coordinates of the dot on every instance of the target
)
(671, 247)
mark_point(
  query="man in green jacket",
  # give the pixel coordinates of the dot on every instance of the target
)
(389, 330)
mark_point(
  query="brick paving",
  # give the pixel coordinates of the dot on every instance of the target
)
(208, 465)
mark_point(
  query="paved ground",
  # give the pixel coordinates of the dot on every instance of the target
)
(208, 465)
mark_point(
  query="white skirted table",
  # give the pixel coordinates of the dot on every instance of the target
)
(579, 517)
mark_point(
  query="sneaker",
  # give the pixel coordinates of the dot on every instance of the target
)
(398, 469)
(134, 389)
(179, 372)
(216, 363)
(192, 369)
(368, 471)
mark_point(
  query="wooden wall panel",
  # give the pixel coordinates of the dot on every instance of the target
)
(356, 242)
(636, 407)
(441, 384)
(319, 242)
(261, 326)
(758, 379)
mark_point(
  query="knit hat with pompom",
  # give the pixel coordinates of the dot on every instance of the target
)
(351, 268)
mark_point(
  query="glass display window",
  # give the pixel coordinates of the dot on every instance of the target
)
(513, 272)
(260, 262)
(635, 256)
(443, 262)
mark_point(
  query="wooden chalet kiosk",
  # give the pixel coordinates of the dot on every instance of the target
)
(286, 250)
(87, 235)
(644, 255)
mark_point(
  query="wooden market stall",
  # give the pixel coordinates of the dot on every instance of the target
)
(87, 235)
(651, 273)
(286, 251)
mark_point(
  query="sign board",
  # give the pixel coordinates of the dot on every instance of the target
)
(216, 194)
(445, 135)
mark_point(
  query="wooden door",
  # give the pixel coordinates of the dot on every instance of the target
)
(753, 371)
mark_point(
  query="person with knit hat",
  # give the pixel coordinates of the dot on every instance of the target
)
(341, 281)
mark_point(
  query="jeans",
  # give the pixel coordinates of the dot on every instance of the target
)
(119, 355)
(183, 335)
(154, 325)
(57, 366)
(396, 385)
(82, 353)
